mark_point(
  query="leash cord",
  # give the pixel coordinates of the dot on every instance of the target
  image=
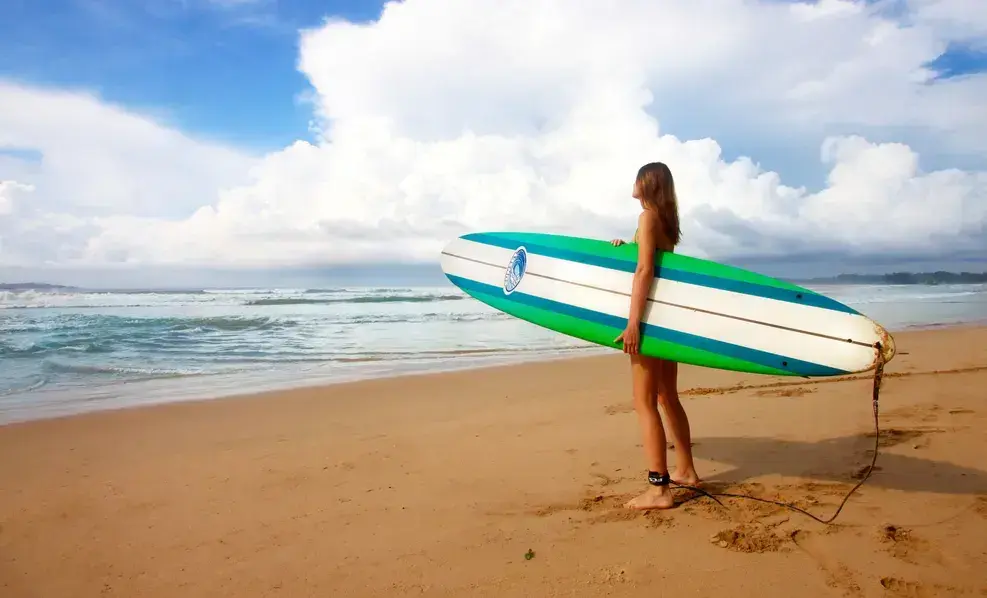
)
(878, 376)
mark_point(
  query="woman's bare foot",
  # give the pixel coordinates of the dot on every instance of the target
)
(688, 477)
(657, 497)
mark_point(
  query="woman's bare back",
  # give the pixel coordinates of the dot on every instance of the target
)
(662, 242)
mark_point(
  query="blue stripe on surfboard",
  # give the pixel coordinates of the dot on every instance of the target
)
(705, 280)
(765, 358)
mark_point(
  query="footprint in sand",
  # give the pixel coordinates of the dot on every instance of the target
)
(604, 480)
(749, 538)
(897, 587)
(903, 544)
(895, 436)
(980, 506)
(901, 587)
(671, 445)
(611, 575)
(618, 409)
(961, 411)
(838, 575)
(923, 413)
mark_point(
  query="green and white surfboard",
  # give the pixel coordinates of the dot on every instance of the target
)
(699, 312)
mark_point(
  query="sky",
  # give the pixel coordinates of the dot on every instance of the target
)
(173, 139)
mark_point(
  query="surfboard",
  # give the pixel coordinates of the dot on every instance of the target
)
(699, 311)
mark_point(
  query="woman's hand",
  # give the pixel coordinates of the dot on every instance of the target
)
(617, 242)
(631, 338)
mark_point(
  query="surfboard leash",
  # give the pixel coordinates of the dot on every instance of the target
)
(875, 394)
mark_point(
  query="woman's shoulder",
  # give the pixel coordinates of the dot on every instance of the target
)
(648, 220)
(649, 223)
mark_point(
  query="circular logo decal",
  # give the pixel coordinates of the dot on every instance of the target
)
(515, 270)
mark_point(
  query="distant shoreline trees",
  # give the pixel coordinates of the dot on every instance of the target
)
(926, 278)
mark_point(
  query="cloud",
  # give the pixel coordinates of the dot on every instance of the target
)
(959, 19)
(98, 162)
(443, 117)
(7, 191)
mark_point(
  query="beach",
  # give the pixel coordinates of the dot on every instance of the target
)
(508, 481)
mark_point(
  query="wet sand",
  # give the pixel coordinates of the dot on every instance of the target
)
(508, 482)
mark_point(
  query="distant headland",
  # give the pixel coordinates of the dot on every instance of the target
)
(926, 278)
(34, 286)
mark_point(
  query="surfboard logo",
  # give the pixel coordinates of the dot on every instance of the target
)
(515, 270)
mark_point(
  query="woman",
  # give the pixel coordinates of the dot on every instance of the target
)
(654, 380)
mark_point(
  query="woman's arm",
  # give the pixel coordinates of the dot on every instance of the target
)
(644, 274)
(642, 281)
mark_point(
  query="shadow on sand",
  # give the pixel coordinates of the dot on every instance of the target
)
(836, 460)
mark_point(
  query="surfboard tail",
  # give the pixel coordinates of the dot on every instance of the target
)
(888, 349)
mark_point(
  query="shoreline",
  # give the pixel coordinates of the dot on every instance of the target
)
(172, 387)
(508, 481)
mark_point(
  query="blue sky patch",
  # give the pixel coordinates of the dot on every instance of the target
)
(223, 69)
(960, 60)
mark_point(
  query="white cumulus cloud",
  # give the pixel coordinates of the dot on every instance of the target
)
(443, 117)
(7, 191)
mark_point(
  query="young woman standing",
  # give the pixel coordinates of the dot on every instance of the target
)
(655, 381)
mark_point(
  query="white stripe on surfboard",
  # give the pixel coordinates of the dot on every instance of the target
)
(813, 320)
(840, 355)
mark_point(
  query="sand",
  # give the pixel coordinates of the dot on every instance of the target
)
(508, 482)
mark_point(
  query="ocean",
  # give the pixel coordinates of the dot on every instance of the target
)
(64, 352)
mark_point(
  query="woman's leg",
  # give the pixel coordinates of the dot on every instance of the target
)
(678, 421)
(645, 376)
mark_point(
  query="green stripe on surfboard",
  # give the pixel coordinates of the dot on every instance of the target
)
(628, 252)
(670, 266)
(605, 335)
